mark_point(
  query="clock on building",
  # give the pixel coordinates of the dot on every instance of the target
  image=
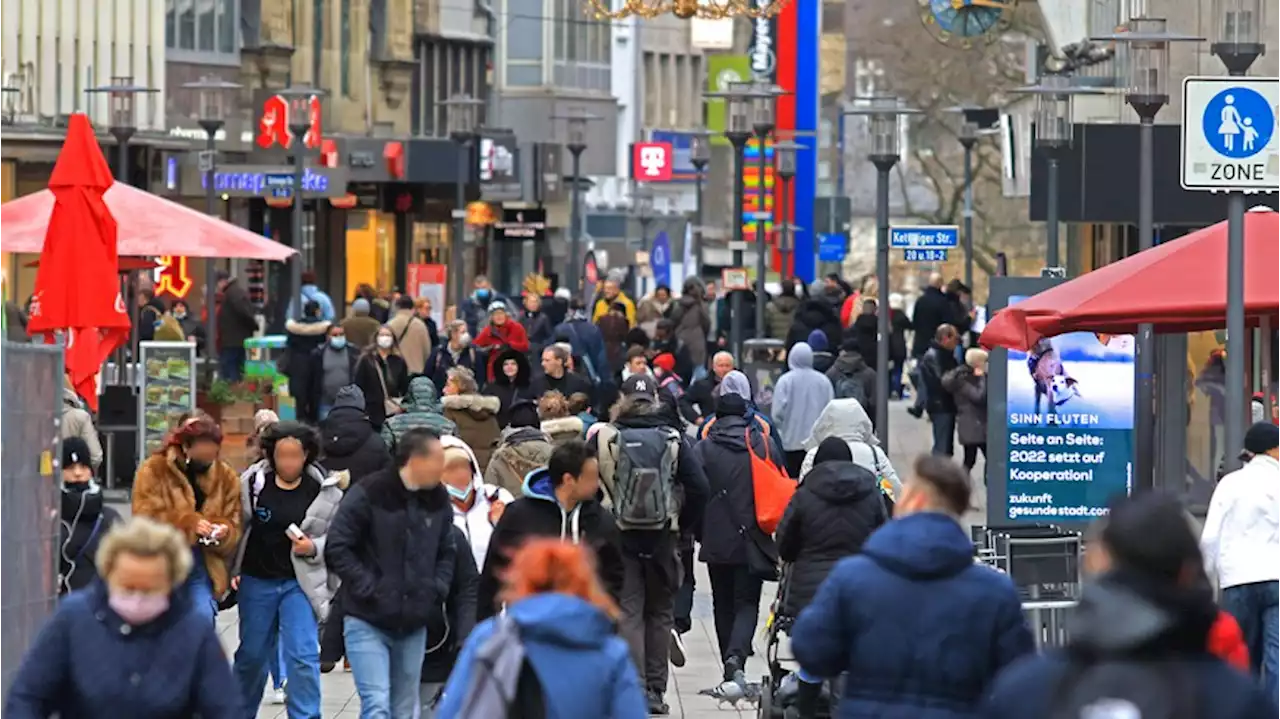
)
(963, 22)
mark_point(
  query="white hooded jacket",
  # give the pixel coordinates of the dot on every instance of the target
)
(846, 419)
(474, 522)
(1241, 537)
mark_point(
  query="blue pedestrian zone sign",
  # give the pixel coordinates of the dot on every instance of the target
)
(1238, 123)
(1229, 133)
(924, 237)
(924, 255)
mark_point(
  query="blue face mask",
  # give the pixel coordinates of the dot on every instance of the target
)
(338, 343)
(461, 495)
(482, 295)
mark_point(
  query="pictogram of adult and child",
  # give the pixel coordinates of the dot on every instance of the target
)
(1233, 123)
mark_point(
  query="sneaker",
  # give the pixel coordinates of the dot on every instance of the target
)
(326, 667)
(677, 649)
(277, 696)
(657, 707)
(916, 411)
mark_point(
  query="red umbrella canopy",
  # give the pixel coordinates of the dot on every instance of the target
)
(77, 287)
(1178, 286)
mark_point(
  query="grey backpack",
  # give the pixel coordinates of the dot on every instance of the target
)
(639, 475)
(501, 679)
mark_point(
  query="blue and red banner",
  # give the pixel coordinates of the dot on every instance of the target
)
(797, 40)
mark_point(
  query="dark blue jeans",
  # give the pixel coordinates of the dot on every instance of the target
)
(1254, 607)
(944, 433)
(231, 364)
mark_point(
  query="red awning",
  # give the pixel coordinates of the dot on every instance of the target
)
(1178, 286)
(150, 226)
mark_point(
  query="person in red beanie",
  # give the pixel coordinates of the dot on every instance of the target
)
(664, 368)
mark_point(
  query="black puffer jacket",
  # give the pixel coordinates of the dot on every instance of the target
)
(393, 550)
(835, 509)
(85, 521)
(350, 444)
(509, 392)
(453, 619)
(815, 315)
(729, 521)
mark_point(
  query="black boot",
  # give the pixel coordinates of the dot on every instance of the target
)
(805, 705)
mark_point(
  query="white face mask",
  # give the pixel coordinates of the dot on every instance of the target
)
(464, 339)
(384, 342)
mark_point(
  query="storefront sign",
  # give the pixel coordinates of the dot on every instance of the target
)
(651, 162)
(369, 159)
(269, 180)
(763, 51)
(499, 167)
(526, 224)
(1061, 418)
(173, 276)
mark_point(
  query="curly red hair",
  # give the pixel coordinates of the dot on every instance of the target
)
(550, 565)
(198, 426)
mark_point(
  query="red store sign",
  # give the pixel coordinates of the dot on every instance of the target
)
(273, 125)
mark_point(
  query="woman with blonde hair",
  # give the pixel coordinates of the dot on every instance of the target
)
(968, 384)
(129, 644)
(574, 664)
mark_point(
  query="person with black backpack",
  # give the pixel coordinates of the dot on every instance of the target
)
(653, 486)
(851, 377)
(1139, 643)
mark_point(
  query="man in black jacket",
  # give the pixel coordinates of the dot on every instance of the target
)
(556, 375)
(348, 439)
(237, 322)
(939, 360)
(559, 501)
(699, 403)
(392, 546)
(638, 440)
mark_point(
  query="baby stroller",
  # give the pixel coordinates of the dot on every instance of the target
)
(778, 688)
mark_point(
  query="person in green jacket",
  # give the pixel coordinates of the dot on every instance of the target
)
(422, 408)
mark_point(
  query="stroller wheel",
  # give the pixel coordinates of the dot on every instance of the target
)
(765, 708)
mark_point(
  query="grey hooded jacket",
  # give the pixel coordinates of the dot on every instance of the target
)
(316, 581)
(799, 397)
(846, 419)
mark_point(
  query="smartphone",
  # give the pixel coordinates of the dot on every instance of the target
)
(294, 531)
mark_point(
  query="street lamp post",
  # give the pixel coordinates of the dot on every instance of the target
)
(883, 113)
(975, 123)
(122, 98)
(1147, 91)
(699, 157)
(737, 131)
(300, 100)
(576, 124)
(462, 118)
(785, 153)
(642, 205)
(762, 124)
(211, 99)
(1237, 42)
(1053, 129)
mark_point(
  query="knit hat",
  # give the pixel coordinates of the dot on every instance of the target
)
(360, 306)
(1262, 438)
(666, 361)
(818, 341)
(832, 449)
(455, 454)
(262, 418)
(524, 414)
(735, 383)
(75, 451)
(350, 396)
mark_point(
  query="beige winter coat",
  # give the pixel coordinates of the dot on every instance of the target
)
(413, 339)
(77, 422)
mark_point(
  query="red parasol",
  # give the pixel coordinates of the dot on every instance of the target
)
(77, 287)
(1178, 286)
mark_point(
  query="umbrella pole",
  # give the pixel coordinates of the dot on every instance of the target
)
(210, 271)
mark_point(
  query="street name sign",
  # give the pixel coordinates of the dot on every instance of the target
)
(1229, 139)
(920, 237)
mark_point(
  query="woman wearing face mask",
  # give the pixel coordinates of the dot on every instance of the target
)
(383, 377)
(186, 486)
(85, 520)
(456, 352)
(192, 328)
(129, 644)
(284, 588)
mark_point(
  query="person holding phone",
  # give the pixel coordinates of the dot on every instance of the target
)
(285, 590)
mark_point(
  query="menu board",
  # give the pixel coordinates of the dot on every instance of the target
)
(168, 391)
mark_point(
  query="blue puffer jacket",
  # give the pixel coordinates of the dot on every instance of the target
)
(921, 630)
(88, 664)
(585, 669)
